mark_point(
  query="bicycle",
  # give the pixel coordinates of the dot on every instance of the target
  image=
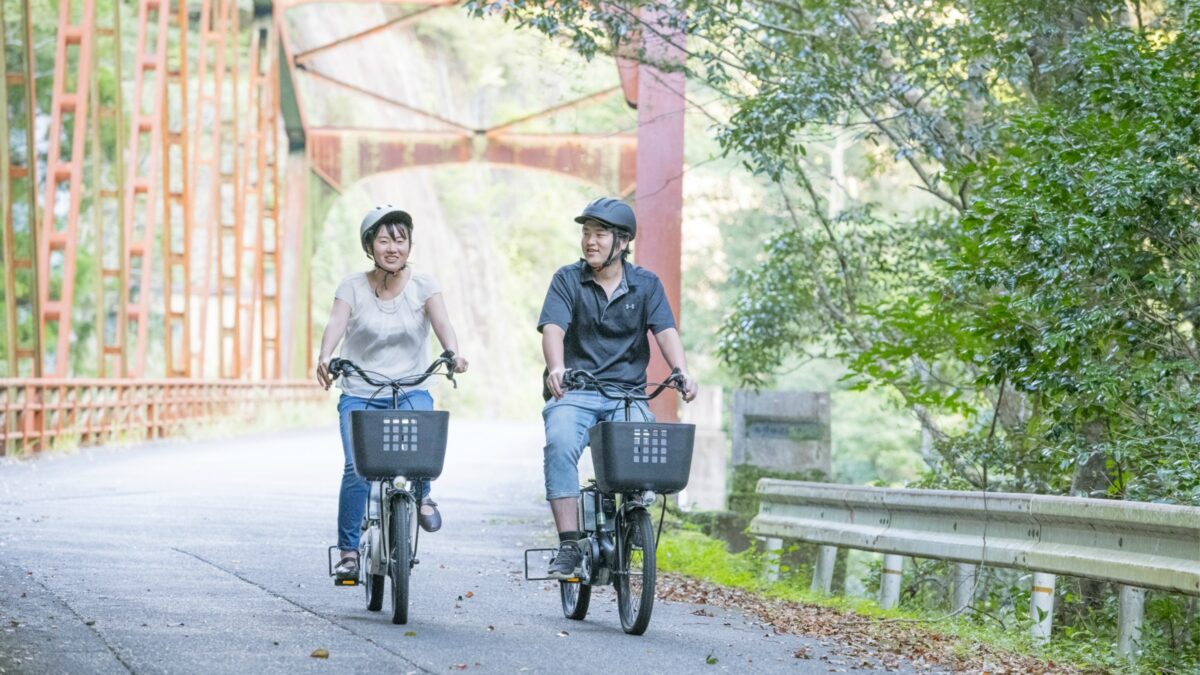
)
(633, 463)
(393, 446)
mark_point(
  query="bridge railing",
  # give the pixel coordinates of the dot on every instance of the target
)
(1137, 545)
(36, 414)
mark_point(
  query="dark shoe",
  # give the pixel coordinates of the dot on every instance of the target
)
(347, 568)
(431, 522)
(565, 564)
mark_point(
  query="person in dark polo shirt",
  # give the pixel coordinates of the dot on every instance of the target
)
(597, 316)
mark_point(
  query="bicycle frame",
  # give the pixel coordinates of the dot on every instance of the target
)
(380, 557)
(625, 503)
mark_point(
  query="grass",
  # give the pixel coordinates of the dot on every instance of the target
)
(696, 555)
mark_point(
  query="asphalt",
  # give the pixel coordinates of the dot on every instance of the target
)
(210, 557)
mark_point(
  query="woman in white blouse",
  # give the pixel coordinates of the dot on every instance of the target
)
(384, 315)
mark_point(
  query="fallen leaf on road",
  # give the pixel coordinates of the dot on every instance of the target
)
(459, 666)
(470, 594)
(410, 633)
(563, 633)
(853, 636)
(491, 628)
(710, 659)
(90, 622)
(320, 654)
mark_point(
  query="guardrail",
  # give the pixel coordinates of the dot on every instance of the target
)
(1135, 544)
(36, 413)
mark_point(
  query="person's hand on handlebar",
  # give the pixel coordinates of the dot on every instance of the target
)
(460, 363)
(554, 381)
(687, 385)
(324, 376)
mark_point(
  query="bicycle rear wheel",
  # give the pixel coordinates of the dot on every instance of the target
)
(636, 572)
(576, 596)
(400, 557)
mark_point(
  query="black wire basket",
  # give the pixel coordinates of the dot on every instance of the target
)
(632, 456)
(390, 443)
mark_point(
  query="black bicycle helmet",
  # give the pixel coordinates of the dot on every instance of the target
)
(611, 212)
(381, 215)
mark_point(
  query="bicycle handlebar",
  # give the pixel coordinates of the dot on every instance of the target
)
(578, 379)
(339, 367)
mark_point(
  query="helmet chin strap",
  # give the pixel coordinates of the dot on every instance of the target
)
(612, 253)
(388, 275)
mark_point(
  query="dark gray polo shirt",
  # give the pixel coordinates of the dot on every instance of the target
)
(604, 336)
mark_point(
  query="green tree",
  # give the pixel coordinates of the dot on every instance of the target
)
(1065, 368)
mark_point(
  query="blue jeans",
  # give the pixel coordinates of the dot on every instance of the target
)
(352, 500)
(567, 422)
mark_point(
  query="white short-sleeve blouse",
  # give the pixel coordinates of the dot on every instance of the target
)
(389, 337)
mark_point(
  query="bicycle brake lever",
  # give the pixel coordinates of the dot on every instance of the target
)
(335, 368)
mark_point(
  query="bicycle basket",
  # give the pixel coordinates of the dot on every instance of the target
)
(629, 456)
(390, 443)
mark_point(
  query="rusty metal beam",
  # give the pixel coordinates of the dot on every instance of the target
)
(268, 271)
(58, 238)
(609, 161)
(229, 222)
(206, 161)
(350, 39)
(108, 203)
(18, 189)
(659, 202)
(94, 411)
(177, 201)
(253, 168)
(142, 186)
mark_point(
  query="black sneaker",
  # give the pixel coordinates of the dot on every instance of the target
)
(565, 564)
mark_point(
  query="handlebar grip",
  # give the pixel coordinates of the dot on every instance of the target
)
(337, 366)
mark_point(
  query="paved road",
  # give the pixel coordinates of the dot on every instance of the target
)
(209, 557)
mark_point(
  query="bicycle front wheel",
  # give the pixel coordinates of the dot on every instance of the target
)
(400, 557)
(636, 572)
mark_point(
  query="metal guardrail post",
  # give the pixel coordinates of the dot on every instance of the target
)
(774, 548)
(1042, 606)
(889, 582)
(1133, 603)
(823, 571)
(964, 578)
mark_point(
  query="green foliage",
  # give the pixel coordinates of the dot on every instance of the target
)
(1042, 315)
(1038, 313)
(742, 496)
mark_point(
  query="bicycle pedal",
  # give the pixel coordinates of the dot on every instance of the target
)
(547, 555)
(345, 582)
